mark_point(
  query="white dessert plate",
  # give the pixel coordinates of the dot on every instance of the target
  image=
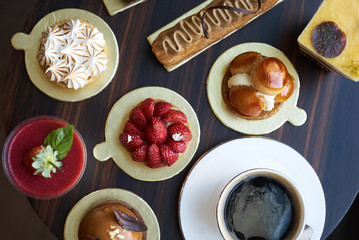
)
(201, 189)
(81, 208)
(30, 43)
(288, 112)
(116, 120)
(115, 6)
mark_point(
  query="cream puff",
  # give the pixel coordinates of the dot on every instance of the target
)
(256, 86)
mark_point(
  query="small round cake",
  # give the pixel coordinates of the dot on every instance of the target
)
(72, 53)
(112, 220)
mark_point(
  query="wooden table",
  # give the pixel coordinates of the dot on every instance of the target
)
(328, 139)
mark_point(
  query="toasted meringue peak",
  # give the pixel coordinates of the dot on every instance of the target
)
(53, 36)
(73, 27)
(77, 77)
(46, 55)
(72, 51)
(92, 38)
(95, 63)
(57, 71)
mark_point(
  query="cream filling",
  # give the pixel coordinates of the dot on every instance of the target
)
(244, 80)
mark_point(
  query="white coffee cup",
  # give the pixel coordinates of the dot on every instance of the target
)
(293, 227)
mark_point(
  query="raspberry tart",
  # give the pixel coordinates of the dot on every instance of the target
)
(156, 133)
(151, 139)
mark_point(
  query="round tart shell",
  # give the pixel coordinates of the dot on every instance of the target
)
(30, 43)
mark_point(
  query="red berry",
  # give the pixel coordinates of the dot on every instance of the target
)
(28, 158)
(130, 128)
(156, 131)
(168, 155)
(173, 115)
(137, 118)
(176, 146)
(140, 153)
(161, 108)
(179, 131)
(130, 141)
(154, 159)
(147, 107)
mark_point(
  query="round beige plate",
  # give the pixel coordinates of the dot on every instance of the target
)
(79, 211)
(289, 111)
(31, 43)
(115, 123)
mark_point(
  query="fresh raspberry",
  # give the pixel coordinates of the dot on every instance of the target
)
(173, 115)
(179, 131)
(156, 131)
(130, 141)
(176, 146)
(161, 108)
(147, 107)
(168, 155)
(130, 128)
(140, 153)
(28, 157)
(137, 118)
(154, 159)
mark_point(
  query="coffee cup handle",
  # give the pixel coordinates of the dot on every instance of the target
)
(307, 233)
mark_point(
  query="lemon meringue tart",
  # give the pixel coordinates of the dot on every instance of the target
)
(72, 53)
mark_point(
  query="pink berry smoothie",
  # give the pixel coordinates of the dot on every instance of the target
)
(33, 132)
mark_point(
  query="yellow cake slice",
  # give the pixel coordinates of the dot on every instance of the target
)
(344, 15)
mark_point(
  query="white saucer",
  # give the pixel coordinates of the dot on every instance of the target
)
(206, 179)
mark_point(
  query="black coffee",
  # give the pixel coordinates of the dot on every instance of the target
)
(258, 208)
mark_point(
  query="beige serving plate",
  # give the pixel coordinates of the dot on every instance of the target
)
(115, 6)
(81, 208)
(151, 38)
(30, 43)
(115, 123)
(289, 111)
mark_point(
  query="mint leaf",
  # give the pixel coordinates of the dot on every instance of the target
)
(60, 140)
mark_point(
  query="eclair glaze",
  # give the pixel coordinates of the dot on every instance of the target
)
(186, 37)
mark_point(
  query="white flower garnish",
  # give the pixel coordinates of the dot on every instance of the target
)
(46, 162)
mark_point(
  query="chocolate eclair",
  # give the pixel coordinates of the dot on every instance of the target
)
(112, 220)
(200, 30)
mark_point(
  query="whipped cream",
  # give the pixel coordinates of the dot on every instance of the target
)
(244, 80)
(72, 53)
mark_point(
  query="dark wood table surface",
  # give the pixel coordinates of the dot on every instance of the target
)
(328, 140)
